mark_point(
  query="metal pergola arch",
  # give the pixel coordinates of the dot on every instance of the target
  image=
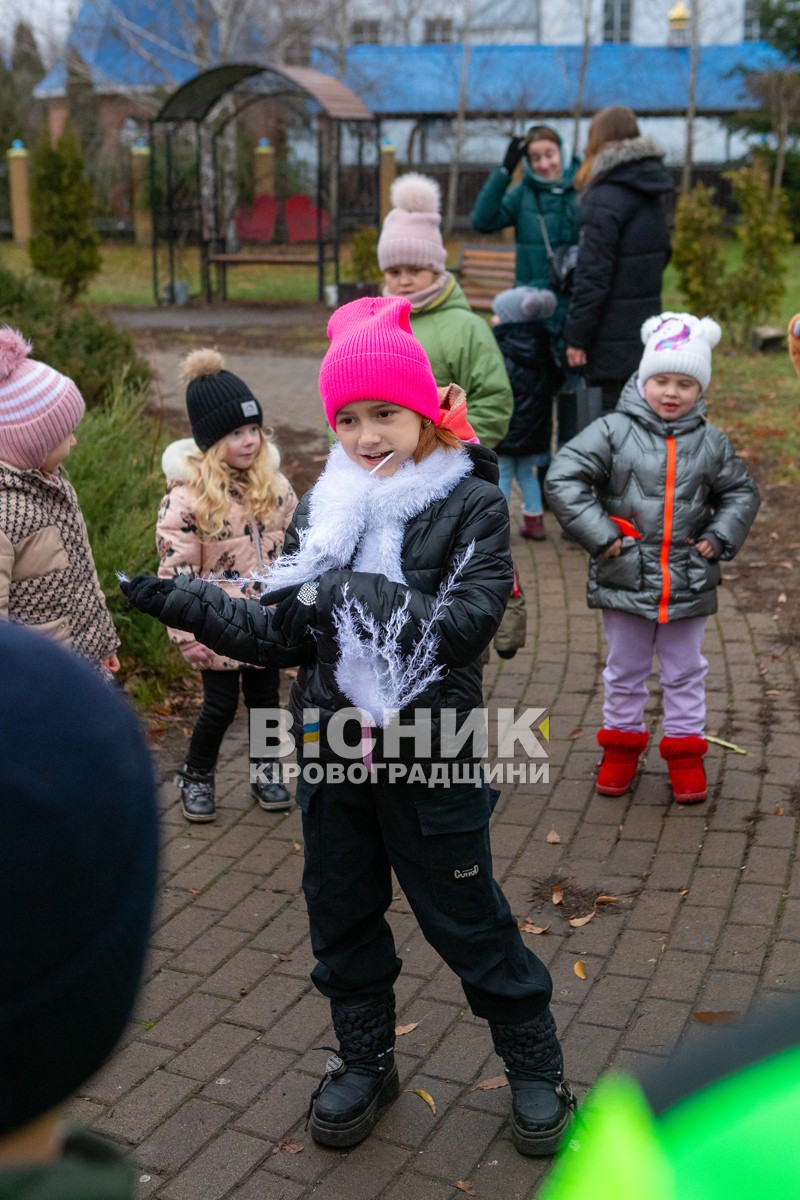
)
(178, 214)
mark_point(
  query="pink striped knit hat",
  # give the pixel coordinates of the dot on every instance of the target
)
(373, 355)
(39, 406)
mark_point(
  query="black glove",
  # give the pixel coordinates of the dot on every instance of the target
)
(148, 593)
(515, 151)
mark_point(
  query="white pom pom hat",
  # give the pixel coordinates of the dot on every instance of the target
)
(411, 235)
(681, 343)
(39, 406)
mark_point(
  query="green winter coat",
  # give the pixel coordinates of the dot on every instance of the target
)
(89, 1169)
(462, 349)
(496, 208)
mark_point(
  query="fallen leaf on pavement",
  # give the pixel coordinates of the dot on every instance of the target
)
(464, 1185)
(558, 895)
(779, 811)
(401, 1029)
(194, 891)
(554, 837)
(529, 927)
(782, 598)
(723, 1017)
(428, 1098)
(289, 1145)
(575, 733)
(576, 922)
(297, 847)
(606, 899)
(489, 1085)
(580, 969)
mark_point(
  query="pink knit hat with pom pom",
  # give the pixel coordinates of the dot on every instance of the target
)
(411, 234)
(373, 355)
(39, 406)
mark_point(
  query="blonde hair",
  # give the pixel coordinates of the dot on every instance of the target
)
(612, 124)
(213, 481)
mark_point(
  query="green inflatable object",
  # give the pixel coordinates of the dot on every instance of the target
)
(736, 1138)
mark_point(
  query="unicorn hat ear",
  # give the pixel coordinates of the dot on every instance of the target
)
(680, 343)
(710, 330)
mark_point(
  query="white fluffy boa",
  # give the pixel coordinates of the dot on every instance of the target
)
(358, 520)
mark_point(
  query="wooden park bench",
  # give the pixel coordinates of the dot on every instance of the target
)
(256, 223)
(483, 272)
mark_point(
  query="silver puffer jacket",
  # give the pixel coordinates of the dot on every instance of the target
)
(675, 482)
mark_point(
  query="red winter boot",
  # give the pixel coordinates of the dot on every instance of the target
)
(620, 760)
(533, 526)
(684, 757)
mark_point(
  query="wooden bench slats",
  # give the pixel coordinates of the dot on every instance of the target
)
(484, 271)
(264, 259)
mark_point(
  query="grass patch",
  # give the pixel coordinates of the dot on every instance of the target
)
(756, 400)
(116, 471)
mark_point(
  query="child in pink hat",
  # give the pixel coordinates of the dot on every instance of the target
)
(394, 577)
(47, 575)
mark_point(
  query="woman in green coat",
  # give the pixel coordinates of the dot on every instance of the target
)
(543, 202)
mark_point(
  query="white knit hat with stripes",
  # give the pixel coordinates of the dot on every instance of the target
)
(39, 406)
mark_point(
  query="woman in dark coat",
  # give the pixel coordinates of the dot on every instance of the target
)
(624, 248)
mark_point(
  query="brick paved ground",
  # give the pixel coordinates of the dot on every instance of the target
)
(216, 1071)
(218, 1067)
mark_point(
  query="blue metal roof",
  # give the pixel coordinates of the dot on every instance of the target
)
(130, 45)
(654, 80)
(127, 45)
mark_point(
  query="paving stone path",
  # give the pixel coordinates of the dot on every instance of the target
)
(211, 1085)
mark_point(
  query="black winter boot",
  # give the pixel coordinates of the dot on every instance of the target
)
(197, 794)
(361, 1079)
(542, 1102)
(266, 786)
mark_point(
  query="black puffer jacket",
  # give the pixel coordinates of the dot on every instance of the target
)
(525, 346)
(474, 514)
(623, 250)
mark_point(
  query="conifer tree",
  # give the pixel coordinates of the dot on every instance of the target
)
(65, 246)
(27, 70)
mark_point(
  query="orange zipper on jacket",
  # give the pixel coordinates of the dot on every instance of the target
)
(666, 540)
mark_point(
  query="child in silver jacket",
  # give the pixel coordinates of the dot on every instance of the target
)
(658, 497)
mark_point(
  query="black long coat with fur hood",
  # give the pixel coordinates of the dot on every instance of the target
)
(623, 250)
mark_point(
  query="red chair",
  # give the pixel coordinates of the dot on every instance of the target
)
(301, 219)
(256, 222)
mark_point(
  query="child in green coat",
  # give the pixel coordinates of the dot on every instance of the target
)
(458, 343)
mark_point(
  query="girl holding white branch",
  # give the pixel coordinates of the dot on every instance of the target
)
(395, 574)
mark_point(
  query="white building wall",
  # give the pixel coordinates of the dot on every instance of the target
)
(553, 22)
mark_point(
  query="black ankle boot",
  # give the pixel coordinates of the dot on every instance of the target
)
(361, 1079)
(197, 794)
(266, 786)
(542, 1102)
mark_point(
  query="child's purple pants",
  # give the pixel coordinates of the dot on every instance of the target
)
(632, 642)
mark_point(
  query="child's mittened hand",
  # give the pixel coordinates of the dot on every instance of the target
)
(148, 593)
(198, 656)
(614, 550)
(705, 548)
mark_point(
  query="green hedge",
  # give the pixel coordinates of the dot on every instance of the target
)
(73, 340)
(116, 471)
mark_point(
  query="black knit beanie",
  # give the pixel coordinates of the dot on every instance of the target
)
(78, 861)
(217, 400)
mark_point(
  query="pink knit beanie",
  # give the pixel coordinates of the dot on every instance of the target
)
(39, 406)
(373, 355)
(411, 235)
